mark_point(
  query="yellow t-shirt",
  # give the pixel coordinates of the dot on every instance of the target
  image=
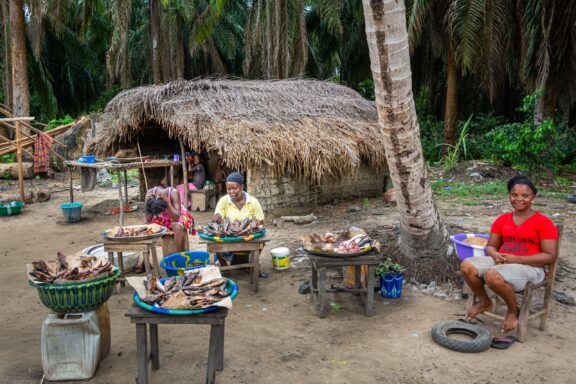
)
(251, 208)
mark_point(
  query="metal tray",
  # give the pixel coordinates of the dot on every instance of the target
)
(338, 255)
(134, 238)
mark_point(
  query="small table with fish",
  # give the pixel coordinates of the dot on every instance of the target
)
(318, 282)
(147, 324)
(254, 246)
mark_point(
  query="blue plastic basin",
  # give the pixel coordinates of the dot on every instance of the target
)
(72, 212)
(177, 263)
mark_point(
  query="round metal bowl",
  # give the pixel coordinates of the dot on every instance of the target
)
(129, 259)
(77, 297)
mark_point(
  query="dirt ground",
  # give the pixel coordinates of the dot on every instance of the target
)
(275, 335)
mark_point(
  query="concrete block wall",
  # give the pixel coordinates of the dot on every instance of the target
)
(274, 191)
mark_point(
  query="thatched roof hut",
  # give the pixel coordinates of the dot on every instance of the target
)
(303, 128)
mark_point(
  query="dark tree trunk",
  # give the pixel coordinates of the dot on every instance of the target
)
(451, 112)
(20, 90)
(155, 41)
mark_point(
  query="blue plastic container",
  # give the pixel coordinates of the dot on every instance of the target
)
(391, 285)
(177, 263)
(72, 212)
(87, 159)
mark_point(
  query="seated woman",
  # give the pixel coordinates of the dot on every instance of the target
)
(163, 207)
(521, 243)
(237, 205)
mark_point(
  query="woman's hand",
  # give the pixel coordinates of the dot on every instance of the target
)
(218, 218)
(499, 258)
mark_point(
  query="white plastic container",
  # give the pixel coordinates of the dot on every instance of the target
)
(70, 346)
(280, 259)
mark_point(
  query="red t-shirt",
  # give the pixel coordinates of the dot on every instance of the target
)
(524, 239)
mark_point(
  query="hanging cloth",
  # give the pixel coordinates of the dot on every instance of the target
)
(42, 144)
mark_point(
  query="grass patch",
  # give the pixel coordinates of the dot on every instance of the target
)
(491, 190)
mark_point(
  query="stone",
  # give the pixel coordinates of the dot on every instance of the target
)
(564, 298)
(354, 208)
(441, 295)
(377, 212)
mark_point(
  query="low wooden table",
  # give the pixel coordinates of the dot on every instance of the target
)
(146, 247)
(146, 319)
(202, 199)
(318, 282)
(253, 246)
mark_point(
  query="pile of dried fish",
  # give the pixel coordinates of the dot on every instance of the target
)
(60, 272)
(339, 243)
(196, 294)
(236, 228)
(133, 231)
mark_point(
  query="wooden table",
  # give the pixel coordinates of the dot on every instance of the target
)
(145, 319)
(253, 246)
(146, 247)
(318, 282)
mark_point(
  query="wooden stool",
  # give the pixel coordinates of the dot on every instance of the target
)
(318, 282)
(202, 199)
(169, 244)
(146, 247)
(141, 318)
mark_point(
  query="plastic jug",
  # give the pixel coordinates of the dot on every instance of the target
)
(70, 346)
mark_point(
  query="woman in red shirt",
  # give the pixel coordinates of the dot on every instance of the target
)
(521, 243)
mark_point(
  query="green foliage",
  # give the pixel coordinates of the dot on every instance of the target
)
(10, 158)
(105, 97)
(527, 145)
(366, 89)
(455, 152)
(388, 266)
(67, 119)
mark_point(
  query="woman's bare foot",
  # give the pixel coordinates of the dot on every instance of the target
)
(478, 308)
(510, 322)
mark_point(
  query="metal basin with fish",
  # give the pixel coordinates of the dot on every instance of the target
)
(130, 259)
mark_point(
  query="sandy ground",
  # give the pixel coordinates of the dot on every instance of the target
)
(275, 335)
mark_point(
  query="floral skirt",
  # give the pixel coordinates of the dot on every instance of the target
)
(186, 219)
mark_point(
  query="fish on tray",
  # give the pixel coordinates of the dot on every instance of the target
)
(66, 269)
(187, 287)
(235, 228)
(134, 231)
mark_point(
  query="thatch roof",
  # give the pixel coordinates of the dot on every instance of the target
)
(304, 128)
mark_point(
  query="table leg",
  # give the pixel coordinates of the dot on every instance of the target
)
(142, 353)
(155, 260)
(121, 266)
(255, 269)
(125, 186)
(212, 355)
(146, 262)
(154, 352)
(370, 291)
(322, 292)
(220, 347)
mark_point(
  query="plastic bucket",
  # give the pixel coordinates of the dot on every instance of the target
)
(391, 285)
(177, 263)
(465, 250)
(72, 212)
(280, 259)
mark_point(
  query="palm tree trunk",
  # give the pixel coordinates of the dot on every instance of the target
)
(6, 59)
(20, 90)
(300, 47)
(451, 111)
(155, 41)
(422, 233)
(126, 71)
(270, 36)
(281, 40)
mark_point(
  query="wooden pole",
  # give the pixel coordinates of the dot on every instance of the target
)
(71, 185)
(184, 172)
(142, 163)
(120, 198)
(126, 186)
(19, 157)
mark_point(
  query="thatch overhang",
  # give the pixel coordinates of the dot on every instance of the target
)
(305, 128)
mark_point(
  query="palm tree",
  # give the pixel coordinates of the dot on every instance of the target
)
(20, 90)
(422, 233)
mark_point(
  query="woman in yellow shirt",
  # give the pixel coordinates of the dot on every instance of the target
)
(237, 204)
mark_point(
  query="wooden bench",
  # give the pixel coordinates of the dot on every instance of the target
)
(147, 324)
(202, 199)
(318, 282)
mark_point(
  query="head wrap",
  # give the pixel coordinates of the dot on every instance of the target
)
(523, 180)
(235, 177)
